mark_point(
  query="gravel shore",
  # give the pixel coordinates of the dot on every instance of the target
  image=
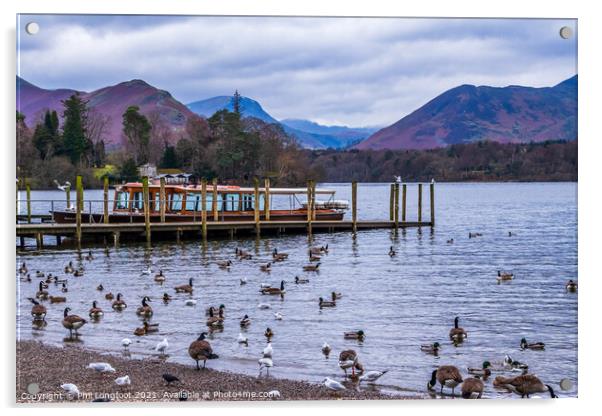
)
(41, 369)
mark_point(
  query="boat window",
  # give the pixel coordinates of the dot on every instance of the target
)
(248, 202)
(209, 204)
(231, 202)
(138, 200)
(193, 202)
(122, 200)
(176, 202)
(157, 201)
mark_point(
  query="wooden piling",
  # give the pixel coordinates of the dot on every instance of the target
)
(404, 194)
(79, 205)
(28, 196)
(392, 202)
(116, 239)
(396, 207)
(68, 195)
(162, 199)
(214, 200)
(354, 205)
(203, 208)
(308, 207)
(266, 204)
(419, 202)
(17, 198)
(39, 240)
(432, 201)
(313, 200)
(146, 205)
(106, 200)
(256, 216)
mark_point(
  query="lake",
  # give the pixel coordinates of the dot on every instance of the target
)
(400, 302)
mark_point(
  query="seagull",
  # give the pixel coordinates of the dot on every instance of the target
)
(372, 376)
(278, 316)
(243, 280)
(126, 342)
(265, 285)
(170, 378)
(123, 381)
(162, 346)
(266, 363)
(71, 389)
(101, 367)
(264, 306)
(268, 350)
(242, 339)
(326, 349)
(433, 180)
(62, 187)
(397, 178)
(190, 302)
(333, 385)
(146, 272)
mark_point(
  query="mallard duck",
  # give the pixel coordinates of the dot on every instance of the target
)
(185, 288)
(145, 310)
(72, 322)
(109, 296)
(69, 268)
(354, 335)
(224, 264)
(472, 388)
(311, 267)
(160, 277)
(571, 286)
(431, 348)
(57, 299)
(524, 345)
(524, 385)
(266, 267)
(483, 372)
(457, 333)
(299, 280)
(64, 288)
(326, 349)
(38, 311)
(268, 333)
(166, 298)
(95, 312)
(504, 275)
(512, 364)
(100, 287)
(447, 376)
(140, 331)
(245, 321)
(392, 252)
(274, 290)
(336, 295)
(201, 350)
(42, 294)
(119, 304)
(326, 303)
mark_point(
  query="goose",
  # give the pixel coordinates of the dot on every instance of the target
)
(95, 312)
(242, 339)
(524, 345)
(483, 372)
(101, 367)
(109, 296)
(69, 268)
(571, 286)
(185, 288)
(215, 321)
(279, 256)
(201, 350)
(79, 272)
(119, 304)
(525, 385)
(123, 381)
(57, 299)
(42, 294)
(125, 343)
(457, 333)
(392, 252)
(243, 255)
(447, 376)
(71, 390)
(27, 278)
(354, 335)
(268, 350)
(245, 321)
(315, 250)
(49, 279)
(371, 376)
(299, 280)
(504, 275)
(274, 290)
(64, 288)
(224, 264)
(38, 311)
(140, 331)
(349, 359)
(89, 256)
(145, 310)
(72, 322)
(100, 287)
(314, 257)
(333, 384)
(326, 303)
(190, 302)
(23, 268)
(311, 267)
(474, 235)
(278, 316)
(472, 388)
(264, 306)
(326, 349)
(268, 333)
(266, 267)
(160, 277)
(431, 348)
(162, 346)
(166, 298)
(511, 234)
(243, 280)
(267, 363)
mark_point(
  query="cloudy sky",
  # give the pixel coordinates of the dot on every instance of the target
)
(351, 71)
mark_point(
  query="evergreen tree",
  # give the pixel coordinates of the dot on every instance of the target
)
(99, 154)
(46, 138)
(129, 170)
(137, 129)
(236, 102)
(169, 159)
(75, 143)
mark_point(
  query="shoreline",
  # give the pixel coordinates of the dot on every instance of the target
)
(49, 367)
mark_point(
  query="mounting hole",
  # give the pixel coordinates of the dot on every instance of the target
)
(566, 32)
(566, 384)
(32, 28)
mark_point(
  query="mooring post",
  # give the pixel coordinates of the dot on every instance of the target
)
(162, 199)
(419, 202)
(17, 200)
(28, 196)
(39, 240)
(22, 242)
(68, 195)
(308, 207)
(354, 205)
(116, 239)
(392, 201)
(58, 240)
(404, 194)
(396, 207)
(256, 205)
(432, 200)
(146, 196)
(266, 204)
(204, 208)
(214, 199)
(313, 200)
(79, 206)
(105, 196)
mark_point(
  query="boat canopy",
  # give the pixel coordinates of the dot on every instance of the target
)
(227, 188)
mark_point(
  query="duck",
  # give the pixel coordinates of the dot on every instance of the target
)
(146, 272)
(145, 310)
(311, 267)
(42, 294)
(279, 256)
(79, 272)
(72, 322)
(162, 346)
(109, 296)
(166, 298)
(268, 333)
(326, 349)
(190, 302)
(64, 288)
(484, 371)
(450, 241)
(326, 303)
(431, 348)
(69, 268)
(511, 234)
(95, 312)
(245, 321)
(314, 257)
(57, 299)
(525, 385)
(299, 280)
(201, 350)
(457, 333)
(100, 287)
(243, 281)
(472, 388)
(185, 288)
(119, 304)
(571, 286)
(359, 335)
(215, 321)
(512, 364)
(242, 339)
(160, 277)
(38, 311)
(349, 359)
(264, 306)
(371, 376)
(447, 376)
(278, 316)
(274, 290)
(224, 264)
(266, 267)
(141, 330)
(392, 252)
(267, 363)
(268, 350)
(504, 275)
(336, 295)
(524, 345)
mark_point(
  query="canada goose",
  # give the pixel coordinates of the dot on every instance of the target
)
(145, 310)
(95, 311)
(336, 295)
(109, 296)
(279, 256)
(431, 348)
(299, 280)
(474, 235)
(313, 257)
(160, 277)
(224, 264)
(524, 345)
(268, 350)
(42, 294)
(524, 385)
(72, 322)
(267, 363)
(242, 254)
(354, 335)
(162, 346)
(89, 256)
(511, 234)
(504, 275)
(201, 350)
(315, 250)
(349, 359)
(215, 321)
(571, 286)
(69, 268)
(457, 333)
(78, 273)
(274, 290)
(447, 376)
(242, 339)
(212, 309)
(100, 287)
(185, 288)
(38, 311)
(311, 267)
(392, 252)
(268, 333)
(27, 278)
(266, 267)
(119, 304)
(23, 268)
(166, 298)
(472, 388)
(371, 376)
(483, 372)
(64, 288)
(326, 349)
(57, 299)
(326, 303)
(333, 384)
(123, 381)
(245, 321)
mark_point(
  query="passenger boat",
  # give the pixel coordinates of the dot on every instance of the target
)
(183, 203)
